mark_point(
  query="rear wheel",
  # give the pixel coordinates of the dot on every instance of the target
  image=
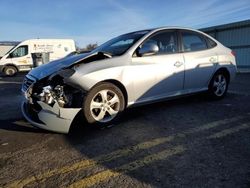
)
(10, 70)
(103, 104)
(218, 85)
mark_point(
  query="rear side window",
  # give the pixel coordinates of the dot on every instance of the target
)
(210, 43)
(192, 41)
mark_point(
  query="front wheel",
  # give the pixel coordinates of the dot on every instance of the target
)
(10, 70)
(103, 104)
(218, 85)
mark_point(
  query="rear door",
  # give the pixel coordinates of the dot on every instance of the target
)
(200, 60)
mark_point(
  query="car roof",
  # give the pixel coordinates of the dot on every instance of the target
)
(152, 30)
(173, 27)
(180, 28)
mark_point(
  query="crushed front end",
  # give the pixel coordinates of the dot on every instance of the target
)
(50, 103)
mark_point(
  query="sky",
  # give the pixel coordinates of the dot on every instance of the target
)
(97, 21)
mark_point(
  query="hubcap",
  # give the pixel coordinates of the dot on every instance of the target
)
(104, 106)
(220, 84)
(10, 71)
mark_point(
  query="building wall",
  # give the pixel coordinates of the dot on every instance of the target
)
(235, 36)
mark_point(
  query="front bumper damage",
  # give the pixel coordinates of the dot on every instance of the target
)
(54, 118)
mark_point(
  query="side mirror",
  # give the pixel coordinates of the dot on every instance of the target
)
(148, 49)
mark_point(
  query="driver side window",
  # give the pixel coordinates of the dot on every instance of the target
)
(20, 51)
(166, 42)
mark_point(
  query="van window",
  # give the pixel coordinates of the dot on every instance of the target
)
(193, 42)
(20, 51)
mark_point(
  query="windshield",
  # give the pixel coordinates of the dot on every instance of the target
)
(10, 49)
(121, 44)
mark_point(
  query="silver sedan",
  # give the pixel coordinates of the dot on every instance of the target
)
(135, 68)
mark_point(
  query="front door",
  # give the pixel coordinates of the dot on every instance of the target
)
(21, 57)
(162, 74)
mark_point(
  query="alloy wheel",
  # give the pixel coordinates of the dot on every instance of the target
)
(104, 106)
(219, 85)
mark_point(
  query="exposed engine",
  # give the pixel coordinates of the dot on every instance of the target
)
(54, 90)
(49, 95)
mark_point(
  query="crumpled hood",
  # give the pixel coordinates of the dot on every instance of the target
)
(54, 66)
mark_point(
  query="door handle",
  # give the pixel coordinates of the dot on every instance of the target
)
(212, 59)
(178, 64)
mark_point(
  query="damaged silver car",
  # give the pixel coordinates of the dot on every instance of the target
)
(134, 68)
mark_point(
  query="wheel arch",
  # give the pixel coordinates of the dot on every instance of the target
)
(117, 84)
(223, 69)
(226, 71)
(9, 64)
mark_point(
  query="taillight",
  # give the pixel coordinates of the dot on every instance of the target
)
(233, 53)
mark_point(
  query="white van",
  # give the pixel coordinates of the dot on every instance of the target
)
(34, 52)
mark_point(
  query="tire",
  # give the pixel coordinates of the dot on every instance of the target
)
(103, 105)
(10, 70)
(218, 85)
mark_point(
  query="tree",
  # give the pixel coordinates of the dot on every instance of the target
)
(88, 48)
(91, 47)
